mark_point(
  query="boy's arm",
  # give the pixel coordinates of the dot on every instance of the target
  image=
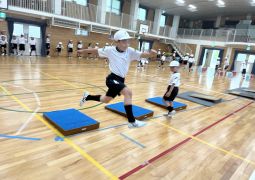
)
(86, 51)
(152, 53)
(170, 90)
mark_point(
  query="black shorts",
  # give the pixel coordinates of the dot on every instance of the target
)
(79, 49)
(70, 50)
(172, 95)
(181, 61)
(190, 65)
(244, 71)
(226, 67)
(32, 47)
(185, 62)
(22, 47)
(115, 85)
(158, 56)
(3, 46)
(59, 50)
(47, 45)
(14, 46)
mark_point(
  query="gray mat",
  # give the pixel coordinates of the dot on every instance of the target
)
(242, 93)
(186, 96)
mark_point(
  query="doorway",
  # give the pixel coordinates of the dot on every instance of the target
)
(242, 58)
(29, 31)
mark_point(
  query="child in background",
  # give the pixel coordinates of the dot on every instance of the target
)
(47, 45)
(70, 48)
(244, 66)
(59, 48)
(162, 60)
(3, 45)
(185, 60)
(191, 61)
(32, 44)
(22, 44)
(14, 45)
(173, 88)
(79, 47)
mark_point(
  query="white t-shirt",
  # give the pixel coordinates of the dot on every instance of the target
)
(59, 46)
(80, 46)
(244, 65)
(191, 60)
(22, 40)
(48, 40)
(70, 45)
(96, 47)
(159, 53)
(32, 42)
(175, 79)
(218, 62)
(186, 58)
(14, 41)
(119, 61)
(163, 58)
(3, 42)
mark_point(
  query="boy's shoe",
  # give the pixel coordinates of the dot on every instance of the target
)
(83, 99)
(136, 124)
(170, 114)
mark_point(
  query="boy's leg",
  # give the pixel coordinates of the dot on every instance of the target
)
(127, 93)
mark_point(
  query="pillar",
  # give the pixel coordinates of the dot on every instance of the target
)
(156, 22)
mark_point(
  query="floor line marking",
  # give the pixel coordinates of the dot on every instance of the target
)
(19, 137)
(132, 140)
(189, 138)
(67, 140)
(34, 112)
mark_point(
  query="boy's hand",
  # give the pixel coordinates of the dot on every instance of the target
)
(168, 94)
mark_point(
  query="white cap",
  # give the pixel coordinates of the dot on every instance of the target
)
(187, 54)
(121, 35)
(60, 43)
(174, 64)
(106, 44)
(192, 55)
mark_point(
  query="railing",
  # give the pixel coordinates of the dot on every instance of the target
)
(232, 35)
(38, 5)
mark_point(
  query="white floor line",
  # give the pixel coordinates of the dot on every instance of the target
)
(25, 124)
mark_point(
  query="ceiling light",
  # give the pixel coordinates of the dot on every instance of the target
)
(180, 2)
(220, 3)
(192, 8)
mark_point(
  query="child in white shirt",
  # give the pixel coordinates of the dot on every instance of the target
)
(32, 44)
(173, 88)
(70, 48)
(79, 47)
(3, 45)
(14, 44)
(59, 48)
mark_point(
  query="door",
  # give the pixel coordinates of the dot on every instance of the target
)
(29, 31)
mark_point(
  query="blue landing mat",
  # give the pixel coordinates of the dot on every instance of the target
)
(71, 121)
(139, 112)
(159, 102)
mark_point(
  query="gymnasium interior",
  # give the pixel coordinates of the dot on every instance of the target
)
(46, 135)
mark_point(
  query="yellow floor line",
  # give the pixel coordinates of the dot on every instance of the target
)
(207, 143)
(67, 140)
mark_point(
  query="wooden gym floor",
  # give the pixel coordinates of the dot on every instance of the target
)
(198, 143)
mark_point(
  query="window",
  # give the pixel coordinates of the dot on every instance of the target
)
(162, 20)
(18, 29)
(142, 14)
(34, 31)
(113, 6)
(80, 2)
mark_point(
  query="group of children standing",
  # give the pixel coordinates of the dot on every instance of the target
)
(18, 44)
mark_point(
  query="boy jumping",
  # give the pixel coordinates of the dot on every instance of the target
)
(120, 57)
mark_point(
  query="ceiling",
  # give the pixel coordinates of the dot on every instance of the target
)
(205, 8)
